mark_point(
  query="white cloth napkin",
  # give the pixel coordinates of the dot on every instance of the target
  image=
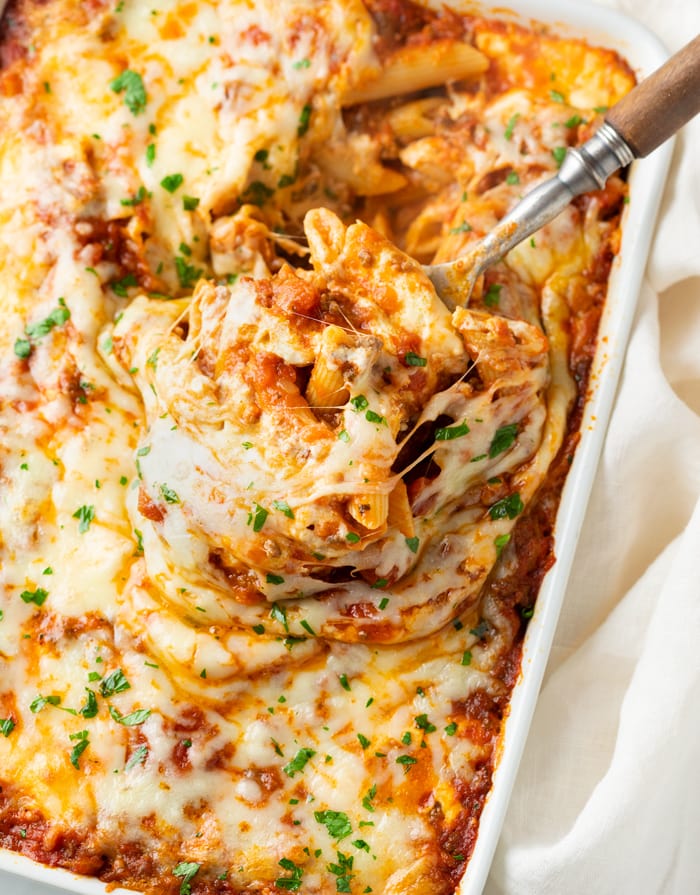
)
(607, 798)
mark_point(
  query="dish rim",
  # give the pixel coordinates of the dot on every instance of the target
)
(644, 51)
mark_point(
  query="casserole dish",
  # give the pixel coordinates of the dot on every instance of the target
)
(616, 324)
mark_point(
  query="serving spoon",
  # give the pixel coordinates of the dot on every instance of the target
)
(642, 120)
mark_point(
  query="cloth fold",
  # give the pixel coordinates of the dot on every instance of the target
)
(607, 798)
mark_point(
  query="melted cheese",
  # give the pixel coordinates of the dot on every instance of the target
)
(269, 729)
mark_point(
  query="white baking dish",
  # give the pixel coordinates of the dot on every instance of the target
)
(20, 876)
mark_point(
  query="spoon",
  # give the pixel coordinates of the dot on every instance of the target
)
(646, 117)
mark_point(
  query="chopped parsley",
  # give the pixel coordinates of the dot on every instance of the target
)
(41, 328)
(187, 870)
(500, 542)
(352, 537)
(190, 203)
(80, 746)
(37, 596)
(407, 761)
(422, 723)
(89, 710)
(168, 495)
(271, 578)
(150, 154)
(373, 417)
(302, 63)
(132, 719)
(492, 296)
(279, 614)
(23, 348)
(503, 439)
(187, 274)
(336, 822)
(367, 800)
(341, 871)
(283, 507)
(556, 97)
(466, 657)
(115, 682)
(172, 182)
(413, 544)
(510, 126)
(451, 432)
(289, 883)
(510, 507)
(364, 742)
(257, 193)
(344, 683)
(451, 729)
(137, 199)
(414, 360)
(574, 121)
(464, 227)
(119, 287)
(130, 83)
(299, 762)
(260, 514)
(359, 402)
(559, 153)
(512, 178)
(7, 725)
(85, 515)
(304, 119)
(36, 705)
(138, 757)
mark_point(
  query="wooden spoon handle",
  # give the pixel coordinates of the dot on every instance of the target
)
(655, 109)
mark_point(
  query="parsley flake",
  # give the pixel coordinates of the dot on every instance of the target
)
(80, 746)
(138, 757)
(37, 596)
(283, 507)
(449, 433)
(7, 725)
(510, 507)
(133, 719)
(336, 822)
(299, 762)
(115, 682)
(503, 439)
(172, 182)
(510, 126)
(130, 83)
(187, 870)
(492, 296)
(85, 515)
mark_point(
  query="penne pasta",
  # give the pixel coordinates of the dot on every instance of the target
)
(326, 386)
(417, 67)
(411, 120)
(400, 514)
(355, 164)
(370, 510)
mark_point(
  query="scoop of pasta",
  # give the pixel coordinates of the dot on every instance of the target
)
(333, 442)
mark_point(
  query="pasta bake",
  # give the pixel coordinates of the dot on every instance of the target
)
(274, 519)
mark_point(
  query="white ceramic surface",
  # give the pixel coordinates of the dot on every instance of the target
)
(19, 876)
